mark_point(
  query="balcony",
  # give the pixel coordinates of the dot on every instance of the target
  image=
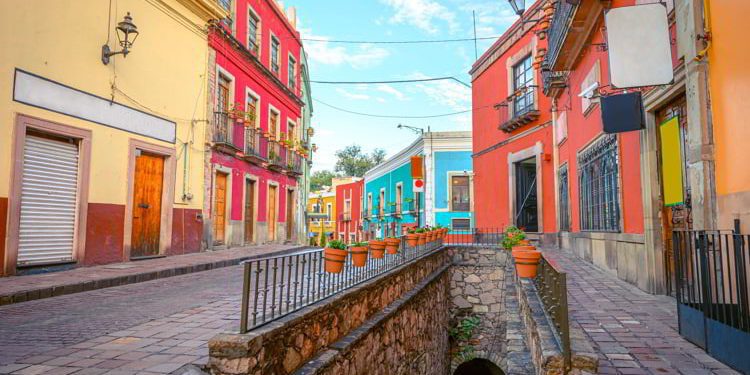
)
(276, 155)
(554, 82)
(293, 163)
(346, 216)
(396, 209)
(256, 146)
(520, 109)
(222, 128)
(558, 30)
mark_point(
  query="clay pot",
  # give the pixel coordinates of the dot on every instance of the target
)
(524, 243)
(422, 238)
(392, 245)
(359, 255)
(377, 249)
(334, 259)
(526, 262)
(412, 239)
(430, 236)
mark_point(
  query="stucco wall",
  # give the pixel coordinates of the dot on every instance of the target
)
(447, 164)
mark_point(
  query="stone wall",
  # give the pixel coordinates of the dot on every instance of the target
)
(285, 345)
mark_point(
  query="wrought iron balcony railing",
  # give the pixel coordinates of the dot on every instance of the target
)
(256, 145)
(519, 110)
(276, 154)
(346, 216)
(294, 162)
(223, 127)
(561, 21)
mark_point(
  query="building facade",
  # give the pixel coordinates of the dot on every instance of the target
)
(322, 219)
(98, 159)
(258, 147)
(388, 199)
(349, 202)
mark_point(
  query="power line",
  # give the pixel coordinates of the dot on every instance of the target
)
(396, 116)
(398, 41)
(392, 81)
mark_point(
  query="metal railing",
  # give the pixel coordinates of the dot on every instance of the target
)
(255, 143)
(276, 286)
(294, 162)
(558, 29)
(520, 109)
(346, 216)
(223, 126)
(276, 153)
(551, 282)
(475, 237)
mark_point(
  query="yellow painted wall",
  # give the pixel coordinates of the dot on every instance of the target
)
(165, 74)
(729, 82)
(328, 226)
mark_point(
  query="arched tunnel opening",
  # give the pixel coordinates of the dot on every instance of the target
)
(478, 366)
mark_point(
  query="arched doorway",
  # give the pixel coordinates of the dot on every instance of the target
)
(478, 366)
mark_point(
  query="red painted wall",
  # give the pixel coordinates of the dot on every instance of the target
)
(104, 233)
(352, 191)
(491, 174)
(187, 231)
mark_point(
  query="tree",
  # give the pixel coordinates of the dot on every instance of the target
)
(351, 161)
(320, 179)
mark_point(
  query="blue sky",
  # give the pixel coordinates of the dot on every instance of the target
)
(391, 20)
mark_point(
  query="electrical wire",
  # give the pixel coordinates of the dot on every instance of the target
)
(397, 116)
(398, 41)
(392, 81)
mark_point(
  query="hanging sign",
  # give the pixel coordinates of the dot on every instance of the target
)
(671, 162)
(418, 185)
(417, 166)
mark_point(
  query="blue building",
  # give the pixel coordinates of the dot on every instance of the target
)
(390, 204)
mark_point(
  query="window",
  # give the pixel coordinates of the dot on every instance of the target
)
(273, 124)
(253, 32)
(460, 200)
(460, 224)
(251, 107)
(369, 205)
(381, 203)
(523, 94)
(562, 176)
(598, 178)
(292, 73)
(399, 197)
(291, 131)
(275, 46)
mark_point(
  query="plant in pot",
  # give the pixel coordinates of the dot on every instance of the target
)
(335, 255)
(412, 237)
(359, 253)
(392, 244)
(421, 236)
(513, 236)
(377, 247)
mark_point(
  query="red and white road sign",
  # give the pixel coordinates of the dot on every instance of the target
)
(418, 186)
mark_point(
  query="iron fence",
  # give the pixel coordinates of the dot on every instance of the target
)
(276, 286)
(475, 237)
(222, 128)
(276, 153)
(255, 143)
(561, 21)
(551, 282)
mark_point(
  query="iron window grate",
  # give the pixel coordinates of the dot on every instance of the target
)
(598, 177)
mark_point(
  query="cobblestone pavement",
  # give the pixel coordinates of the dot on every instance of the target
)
(633, 332)
(146, 328)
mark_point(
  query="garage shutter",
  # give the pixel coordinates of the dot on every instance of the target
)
(48, 201)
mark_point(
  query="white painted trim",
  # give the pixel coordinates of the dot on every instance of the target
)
(250, 92)
(259, 36)
(536, 152)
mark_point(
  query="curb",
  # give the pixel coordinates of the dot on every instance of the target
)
(85, 286)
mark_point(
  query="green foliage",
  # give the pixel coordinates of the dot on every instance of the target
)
(322, 240)
(337, 244)
(411, 231)
(359, 244)
(462, 335)
(351, 161)
(513, 236)
(320, 179)
(419, 230)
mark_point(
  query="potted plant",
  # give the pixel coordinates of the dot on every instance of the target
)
(334, 255)
(512, 237)
(526, 262)
(377, 247)
(422, 236)
(359, 253)
(412, 237)
(392, 244)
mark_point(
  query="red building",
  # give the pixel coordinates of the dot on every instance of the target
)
(512, 130)
(349, 205)
(257, 146)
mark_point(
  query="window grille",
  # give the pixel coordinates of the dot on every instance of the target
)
(599, 186)
(252, 33)
(275, 47)
(523, 80)
(564, 199)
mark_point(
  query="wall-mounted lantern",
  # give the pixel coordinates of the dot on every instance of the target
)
(127, 32)
(519, 6)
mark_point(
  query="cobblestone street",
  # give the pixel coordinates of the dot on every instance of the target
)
(633, 332)
(152, 327)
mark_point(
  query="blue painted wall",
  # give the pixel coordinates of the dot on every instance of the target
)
(446, 163)
(389, 180)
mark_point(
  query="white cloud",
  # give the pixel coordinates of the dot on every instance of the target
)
(423, 14)
(391, 91)
(450, 94)
(324, 52)
(352, 95)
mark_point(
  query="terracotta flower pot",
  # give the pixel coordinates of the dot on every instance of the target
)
(392, 245)
(422, 238)
(377, 248)
(430, 236)
(527, 262)
(359, 255)
(334, 259)
(412, 239)
(524, 243)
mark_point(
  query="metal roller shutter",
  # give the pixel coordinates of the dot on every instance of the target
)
(49, 192)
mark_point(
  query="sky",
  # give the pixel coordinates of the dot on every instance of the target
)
(391, 20)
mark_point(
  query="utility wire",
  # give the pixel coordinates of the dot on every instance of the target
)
(398, 41)
(393, 81)
(396, 116)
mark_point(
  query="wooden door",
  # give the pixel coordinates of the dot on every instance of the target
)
(677, 216)
(249, 211)
(147, 195)
(272, 206)
(220, 208)
(289, 214)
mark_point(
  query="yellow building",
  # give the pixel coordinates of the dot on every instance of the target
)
(321, 208)
(100, 162)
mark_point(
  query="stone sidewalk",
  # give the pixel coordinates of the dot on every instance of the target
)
(634, 332)
(16, 289)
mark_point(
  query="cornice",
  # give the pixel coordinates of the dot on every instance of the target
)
(205, 9)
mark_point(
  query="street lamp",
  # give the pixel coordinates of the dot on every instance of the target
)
(125, 30)
(519, 6)
(415, 129)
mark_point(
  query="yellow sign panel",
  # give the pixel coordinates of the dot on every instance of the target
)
(671, 162)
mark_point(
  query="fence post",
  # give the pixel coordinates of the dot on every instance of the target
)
(245, 297)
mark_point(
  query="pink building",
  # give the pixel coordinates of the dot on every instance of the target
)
(349, 206)
(257, 149)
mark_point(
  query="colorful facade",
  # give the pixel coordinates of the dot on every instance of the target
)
(389, 202)
(322, 204)
(258, 144)
(349, 220)
(101, 162)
